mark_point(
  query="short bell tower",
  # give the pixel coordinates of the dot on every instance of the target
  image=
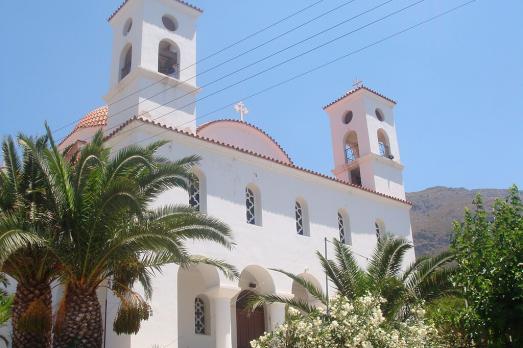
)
(364, 140)
(153, 71)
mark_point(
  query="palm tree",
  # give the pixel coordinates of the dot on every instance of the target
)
(110, 236)
(23, 228)
(424, 280)
(6, 302)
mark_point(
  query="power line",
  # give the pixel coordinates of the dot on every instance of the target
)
(276, 65)
(244, 67)
(319, 67)
(245, 38)
(309, 21)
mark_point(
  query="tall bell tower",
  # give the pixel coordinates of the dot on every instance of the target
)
(364, 140)
(153, 71)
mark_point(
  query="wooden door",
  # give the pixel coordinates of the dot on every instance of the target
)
(249, 325)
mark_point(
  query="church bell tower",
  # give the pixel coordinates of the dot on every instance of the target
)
(153, 71)
(364, 140)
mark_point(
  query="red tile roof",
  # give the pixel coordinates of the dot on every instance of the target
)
(179, 1)
(354, 90)
(247, 124)
(249, 152)
(95, 118)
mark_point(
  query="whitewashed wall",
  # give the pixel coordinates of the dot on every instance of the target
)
(275, 244)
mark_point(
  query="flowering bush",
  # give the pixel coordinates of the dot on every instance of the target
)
(359, 324)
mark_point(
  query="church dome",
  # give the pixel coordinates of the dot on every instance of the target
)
(95, 119)
(244, 136)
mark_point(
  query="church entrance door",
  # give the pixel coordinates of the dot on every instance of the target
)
(249, 325)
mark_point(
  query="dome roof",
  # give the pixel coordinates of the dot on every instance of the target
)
(95, 118)
(244, 136)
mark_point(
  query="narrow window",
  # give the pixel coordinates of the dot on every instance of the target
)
(169, 59)
(380, 229)
(383, 144)
(126, 61)
(199, 316)
(250, 206)
(299, 219)
(194, 194)
(351, 147)
(341, 227)
(355, 176)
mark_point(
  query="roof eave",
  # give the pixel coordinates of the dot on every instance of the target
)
(252, 153)
(351, 92)
(192, 7)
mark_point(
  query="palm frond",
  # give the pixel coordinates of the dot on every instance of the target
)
(307, 285)
(133, 309)
(257, 300)
(387, 258)
(227, 269)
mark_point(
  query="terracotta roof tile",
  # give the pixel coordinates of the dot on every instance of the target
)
(95, 118)
(354, 90)
(289, 165)
(179, 1)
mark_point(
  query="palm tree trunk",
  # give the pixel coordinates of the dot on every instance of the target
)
(81, 324)
(32, 314)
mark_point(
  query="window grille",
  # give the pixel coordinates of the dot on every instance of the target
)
(299, 219)
(341, 228)
(250, 206)
(351, 152)
(194, 194)
(378, 229)
(199, 316)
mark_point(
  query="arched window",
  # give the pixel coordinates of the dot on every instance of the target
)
(194, 193)
(344, 228)
(380, 228)
(253, 208)
(197, 190)
(125, 61)
(351, 147)
(383, 143)
(199, 316)
(341, 227)
(169, 59)
(250, 206)
(302, 218)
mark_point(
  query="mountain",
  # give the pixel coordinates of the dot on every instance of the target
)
(434, 210)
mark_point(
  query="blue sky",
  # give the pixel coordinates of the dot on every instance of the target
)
(458, 80)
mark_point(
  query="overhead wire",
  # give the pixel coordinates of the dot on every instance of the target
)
(321, 66)
(235, 43)
(276, 65)
(221, 64)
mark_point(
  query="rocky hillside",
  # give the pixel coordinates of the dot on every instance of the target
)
(434, 210)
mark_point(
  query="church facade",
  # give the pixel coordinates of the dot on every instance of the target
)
(280, 213)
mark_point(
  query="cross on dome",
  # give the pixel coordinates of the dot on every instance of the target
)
(241, 109)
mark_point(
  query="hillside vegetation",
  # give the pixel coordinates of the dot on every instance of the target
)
(434, 210)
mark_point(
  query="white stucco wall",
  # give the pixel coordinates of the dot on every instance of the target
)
(275, 244)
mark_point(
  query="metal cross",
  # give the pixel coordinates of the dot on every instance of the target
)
(241, 109)
(357, 83)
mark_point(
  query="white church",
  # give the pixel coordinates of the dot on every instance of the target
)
(280, 213)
